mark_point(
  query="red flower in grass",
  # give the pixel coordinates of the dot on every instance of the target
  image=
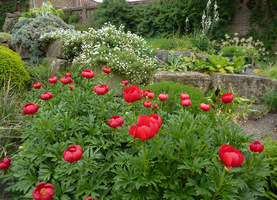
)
(90, 198)
(101, 89)
(155, 106)
(186, 102)
(68, 74)
(71, 87)
(163, 97)
(66, 80)
(106, 70)
(157, 118)
(87, 73)
(151, 95)
(36, 85)
(227, 98)
(43, 191)
(18, 103)
(115, 121)
(145, 93)
(30, 108)
(73, 153)
(230, 156)
(184, 96)
(256, 147)
(147, 104)
(204, 107)
(46, 96)
(146, 128)
(132, 94)
(5, 163)
(53, 79)
(125, 82)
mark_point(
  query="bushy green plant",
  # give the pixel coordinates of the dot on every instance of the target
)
(44, 10)
(12, 69)
(40, 74)
(181, 161)
(5, 35)
(125, 53)
(28, 31)
(271, 158)
(70, 18)
(270, 72)
(270, 99)
(174, 90)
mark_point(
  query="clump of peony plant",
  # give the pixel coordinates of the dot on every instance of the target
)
(125, 53)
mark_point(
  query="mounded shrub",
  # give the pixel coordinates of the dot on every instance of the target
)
(12, 66)
(174, 90)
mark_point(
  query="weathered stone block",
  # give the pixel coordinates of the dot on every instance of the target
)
(246, 86)
(162, 55)
(22, 51)
(54, 49)
(56, 64)
(195, 79)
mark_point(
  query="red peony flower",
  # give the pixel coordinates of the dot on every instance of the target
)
(125, 82)
(227, 98)
(157, 118)
(151, 95)
(204, 107)
(101, 89)
(53, 79)
(147, 104)
(132, 94)
(230, 156)
(106, 70)
(184, 96)
(115, 121)
(36, 85)
(73, 153)
(90, 198)
(68, 74)
(163, 97)
(46, 96)
(30, 108)
(66, 80)
(145, 93)
(146, 128)
(71, 87)
(5, 163)
(43, 191)
(87, 73)
(186, 102)
(256, 147)
(155, 106)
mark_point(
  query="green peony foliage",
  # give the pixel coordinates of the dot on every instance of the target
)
(28, 31)
(11, 66)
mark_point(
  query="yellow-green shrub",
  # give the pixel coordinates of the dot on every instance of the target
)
(12, 66)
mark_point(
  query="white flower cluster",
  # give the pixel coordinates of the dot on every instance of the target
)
(207, 20)
(126, 53)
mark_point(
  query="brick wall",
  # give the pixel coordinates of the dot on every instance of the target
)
(55, 3)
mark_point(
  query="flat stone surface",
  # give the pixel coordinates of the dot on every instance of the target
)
(195, 79)
(56, 64)
(162, 55)
(54, 49)
(22, 51)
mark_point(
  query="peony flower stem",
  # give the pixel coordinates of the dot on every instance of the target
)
(221, 183)
(250, 166)
(52, 108)
(26, 156)
(114, 134)
(134, 106)
(144, 160)
(102, 106)
(53, 135)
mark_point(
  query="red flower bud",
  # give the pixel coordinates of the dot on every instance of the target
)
(36, 85)
(66, 80)
(43, 191)
(145, 93)
(151, 95)
(5, 163)
(115, 121)
(101, 89)
(132, 94)
(163, 97)
(106, 70)
(68, 74)
(53, 79)
(90, 198)
(186, 102)
(184, 96)
(204, 107)
(256, 147)
(125, 82)
(155, 106)
(147, 104)
(227, 98)
(30, 108)
(230, 156)
(46, 96)
(87, 73)
(73, 153)
(71, 87)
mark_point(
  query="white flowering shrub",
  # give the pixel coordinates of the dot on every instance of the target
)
(125, 53)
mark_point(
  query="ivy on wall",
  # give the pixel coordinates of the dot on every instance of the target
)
(11, 6)
(265, 18)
